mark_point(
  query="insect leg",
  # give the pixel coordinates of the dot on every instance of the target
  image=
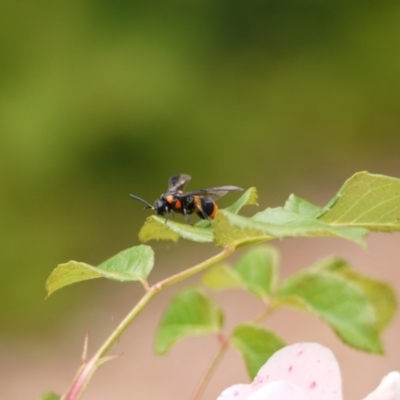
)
(185, 214)
(167, 216)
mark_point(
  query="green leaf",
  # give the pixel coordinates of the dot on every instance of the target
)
(258, 270)
(276, 223)
(367, 201)
(155, 228)
(190, 312)
(249, 197)
(230, 229)
(298, 205)
(335, 300)
(133, 264)
(256, 345)
(221, 277)
(380, 295)
(281, 223)
(50, 396)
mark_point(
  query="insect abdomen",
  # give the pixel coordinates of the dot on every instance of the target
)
(205, 208)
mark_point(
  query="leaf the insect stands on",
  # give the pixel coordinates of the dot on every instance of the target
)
(276, 223)
(281, 223)
(155, 227)
(248, 198)
(368, 201)
(365, 202)
(190, 313)
(256, 345)
(300, 206)
(237, 231)
(133, 264)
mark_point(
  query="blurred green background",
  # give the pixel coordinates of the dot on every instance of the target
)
(99, 99)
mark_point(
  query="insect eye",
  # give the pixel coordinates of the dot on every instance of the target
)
(158, 205)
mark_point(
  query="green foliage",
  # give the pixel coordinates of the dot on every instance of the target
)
(365, 202)
(191, 312)
(297, 205)
(237, 231)
(256, 344)
(368, 201)
(276, 223)
(157, 228)
(357, 308)
(380, 295)
(77, 165)
(335, 300)
(222, 277)
(50, 396)
(133, 264)
(248, 198)
(256, 270)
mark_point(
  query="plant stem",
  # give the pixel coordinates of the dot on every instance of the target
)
(211, 368)
(143, 302)
(119, 330)
(180, 276)
(263, 314)
(157, 288)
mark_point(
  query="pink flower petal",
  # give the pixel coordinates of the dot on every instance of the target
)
(279, 390)
(388, 389)
(235, 392)
(310, 366)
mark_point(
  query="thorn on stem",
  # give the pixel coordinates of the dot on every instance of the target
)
(85, 348)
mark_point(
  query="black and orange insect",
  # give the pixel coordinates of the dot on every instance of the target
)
(201, 201)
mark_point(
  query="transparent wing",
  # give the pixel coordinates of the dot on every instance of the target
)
(177, 182)
(214, 193)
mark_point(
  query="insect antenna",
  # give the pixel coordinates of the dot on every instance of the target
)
(148, 205)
